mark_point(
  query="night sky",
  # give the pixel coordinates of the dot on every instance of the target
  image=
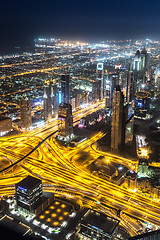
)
(22, 21)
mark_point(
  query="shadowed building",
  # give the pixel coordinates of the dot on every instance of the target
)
(50, 98)
(65, 88)
(25, 112)
(98, 85)
(65, 122)
(117, 119)
(95, 225)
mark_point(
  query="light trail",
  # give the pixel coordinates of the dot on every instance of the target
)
(53, 165)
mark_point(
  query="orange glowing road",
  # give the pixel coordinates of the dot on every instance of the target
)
(53, 164)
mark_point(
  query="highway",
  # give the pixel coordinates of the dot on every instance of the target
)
(53, 164)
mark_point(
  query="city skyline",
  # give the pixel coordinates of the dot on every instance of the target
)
(80, 120)
(87, 21)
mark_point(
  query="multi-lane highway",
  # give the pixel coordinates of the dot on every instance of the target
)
(54, 166)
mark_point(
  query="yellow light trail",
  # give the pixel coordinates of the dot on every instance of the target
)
(53, 165)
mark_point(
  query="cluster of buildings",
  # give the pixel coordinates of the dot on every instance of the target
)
(44, 215)
(126, 89)
(146, 180)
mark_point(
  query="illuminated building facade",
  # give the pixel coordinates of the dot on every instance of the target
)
(47, 107)
(25, 112)
(98, 85)
(108, 86)
(137, 61)
(28, 193)
(129, 130)
(50, 98)
(65, 88)
(117, 119)
(144, 63)
(65, 122)
(142, 100)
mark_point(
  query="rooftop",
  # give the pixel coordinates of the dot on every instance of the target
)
(100, 221)
(29, 182)
(142, 94)
(56, 214)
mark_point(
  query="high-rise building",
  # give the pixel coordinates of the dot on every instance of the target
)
(65, 88)
(65, 122)
(131, 86)
(50, 100)
(157, 78)
(55, 99)
(144, 64)
(28, 193)
(47, 107)
(100, 80)
(98, 85)
(117, 119)
(137, 61)
(25, 112)
(141, 108)
(29, 196)
(77, 101)
(108, 92)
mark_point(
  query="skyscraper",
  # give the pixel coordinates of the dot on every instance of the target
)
(142, 103)
(25, 112)
(65, 88)
(131, 85)
(137, 61)
(144, 64)
(65, 121)
(55, 100)
(47, 107)
(108, 92)
(98, 85)
(117, 119)
(50, 100)
(100, 80)
(28, 193)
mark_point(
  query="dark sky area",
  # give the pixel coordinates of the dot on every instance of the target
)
(22, 21)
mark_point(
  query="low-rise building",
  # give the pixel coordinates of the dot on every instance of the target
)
(95, 225)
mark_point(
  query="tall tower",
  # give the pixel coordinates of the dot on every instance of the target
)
(65, 88)
(25, 112)
(47, 101)
(98, 85)
(100, 80)
(65, 122)
(50, 99)
(137, 61)
(144, 64)
(117, 119)
(131, 85)
(108, 92)
(55, 100)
